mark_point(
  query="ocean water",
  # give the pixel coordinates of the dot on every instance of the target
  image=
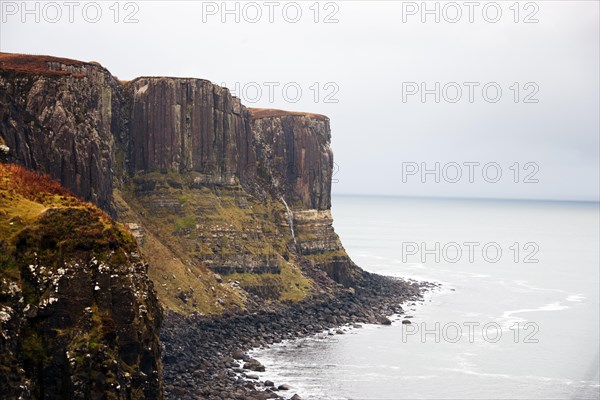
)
(501, 326)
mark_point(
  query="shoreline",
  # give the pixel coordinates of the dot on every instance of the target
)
(207, 357)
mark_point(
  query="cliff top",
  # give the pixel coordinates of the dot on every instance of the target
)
(50, 65)
(168, 78)
(25, 195)
(33, 201)
(258, 113)
(40, 64)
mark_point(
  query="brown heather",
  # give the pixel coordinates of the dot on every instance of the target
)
(37, 65)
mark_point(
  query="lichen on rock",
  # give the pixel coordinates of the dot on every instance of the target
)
(78, 314)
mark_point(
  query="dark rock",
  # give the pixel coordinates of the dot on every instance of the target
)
(63, 124)
(254, 365)
(266, 395)
(83, 323)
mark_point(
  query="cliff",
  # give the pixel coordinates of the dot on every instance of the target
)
(230, 205)
(79, 318)
(59, 116)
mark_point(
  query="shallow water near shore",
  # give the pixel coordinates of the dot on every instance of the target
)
(507, 328)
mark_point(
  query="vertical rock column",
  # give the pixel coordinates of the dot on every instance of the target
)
(189, 125)
(60, 122)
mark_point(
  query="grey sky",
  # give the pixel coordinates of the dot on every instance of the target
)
(369, 54)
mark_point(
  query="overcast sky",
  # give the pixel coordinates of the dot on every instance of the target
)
(364, 64)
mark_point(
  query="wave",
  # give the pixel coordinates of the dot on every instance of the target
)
(547, 307)
(576, 298)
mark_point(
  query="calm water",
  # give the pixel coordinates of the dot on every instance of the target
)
(541, 319)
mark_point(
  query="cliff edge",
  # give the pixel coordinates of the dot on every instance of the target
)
(230, 205)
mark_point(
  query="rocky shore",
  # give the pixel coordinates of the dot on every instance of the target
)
(206, 357)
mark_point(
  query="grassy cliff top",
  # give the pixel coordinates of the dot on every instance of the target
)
(258, 113)
(39, 64)
(34, 204)
(25, 195)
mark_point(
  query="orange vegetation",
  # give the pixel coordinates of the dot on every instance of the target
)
(31, 185)
(258, 113)
(34, 64)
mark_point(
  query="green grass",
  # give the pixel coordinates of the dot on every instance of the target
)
(211, 222)
(292, 285)
(185, 224)
(34, 350)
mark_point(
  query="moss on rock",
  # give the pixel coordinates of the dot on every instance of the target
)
(79, 317)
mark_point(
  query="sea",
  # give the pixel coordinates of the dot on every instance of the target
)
(516, 315)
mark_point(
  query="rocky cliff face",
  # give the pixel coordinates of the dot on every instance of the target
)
(188, 125)
(295, 160)
(231, 205)
(60, 117)
(79, 318)
(192, 125)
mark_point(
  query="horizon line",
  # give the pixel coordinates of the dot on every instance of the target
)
(594, 201)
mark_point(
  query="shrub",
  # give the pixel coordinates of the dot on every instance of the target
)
(31, 185)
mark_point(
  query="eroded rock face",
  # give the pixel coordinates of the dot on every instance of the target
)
(295, 160)
(315, 232)
(62, 121)
(92, 331)
(188, 125)
(192, 125)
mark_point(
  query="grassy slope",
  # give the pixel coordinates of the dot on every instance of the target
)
(171, 270)
(25, 198)
(176, 241)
